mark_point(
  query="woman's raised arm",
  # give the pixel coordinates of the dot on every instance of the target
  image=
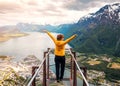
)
(50, 35)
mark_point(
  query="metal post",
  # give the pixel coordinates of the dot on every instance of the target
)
(48, 66)
(71, 63)
(33, 72)
(44, 71)
(71, 73)
(85, 74)
(74, 72)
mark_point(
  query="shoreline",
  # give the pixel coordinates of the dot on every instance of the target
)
(7, 36)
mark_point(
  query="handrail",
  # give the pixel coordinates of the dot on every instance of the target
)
(78, 67)
(39, 68)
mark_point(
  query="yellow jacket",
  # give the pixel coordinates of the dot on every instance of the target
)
(60, 45)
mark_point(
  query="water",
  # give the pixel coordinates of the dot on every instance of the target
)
(34, 44)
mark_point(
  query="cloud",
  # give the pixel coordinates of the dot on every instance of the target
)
(47, 11)
(9, 7)
(29, 2)
(80, 5)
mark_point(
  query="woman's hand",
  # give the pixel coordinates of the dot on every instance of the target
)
(76, 35)
(44, 31)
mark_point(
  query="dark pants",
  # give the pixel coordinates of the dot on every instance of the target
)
(60, 67)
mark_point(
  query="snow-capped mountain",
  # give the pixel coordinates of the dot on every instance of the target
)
(98, 32)
(109, 14)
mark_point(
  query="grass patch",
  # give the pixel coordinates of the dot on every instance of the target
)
(93, 62)
(108, 64)
(115, 65)
(2, 57)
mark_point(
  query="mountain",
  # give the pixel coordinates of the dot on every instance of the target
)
(9, 29)
(25, 27)
(109, 14)
(98, 32)
(63, 28)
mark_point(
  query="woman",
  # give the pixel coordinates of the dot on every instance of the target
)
(60, 53)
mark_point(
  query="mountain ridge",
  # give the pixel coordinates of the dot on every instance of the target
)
(98, 32)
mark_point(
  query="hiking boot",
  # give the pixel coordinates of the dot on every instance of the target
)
(58, 81)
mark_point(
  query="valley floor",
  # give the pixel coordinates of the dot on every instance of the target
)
(102, 69)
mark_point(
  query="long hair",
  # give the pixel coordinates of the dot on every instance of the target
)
(60, 36)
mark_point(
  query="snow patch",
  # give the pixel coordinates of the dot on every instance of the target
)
(114, 7)
(119, 15)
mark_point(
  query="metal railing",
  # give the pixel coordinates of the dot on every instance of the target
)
(78, 68)
(73, 70)
(38, 70)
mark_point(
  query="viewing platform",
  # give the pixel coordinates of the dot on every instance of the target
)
(51, 81)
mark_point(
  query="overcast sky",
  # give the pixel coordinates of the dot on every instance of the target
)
(47, 11)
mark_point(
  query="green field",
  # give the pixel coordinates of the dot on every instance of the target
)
(102, 63)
